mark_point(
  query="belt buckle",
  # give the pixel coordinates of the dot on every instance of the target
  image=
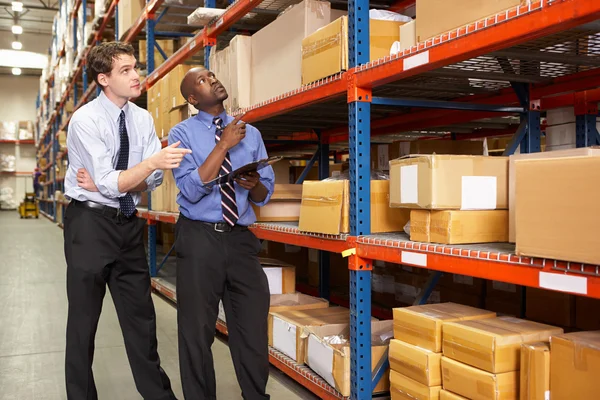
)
(222, 227)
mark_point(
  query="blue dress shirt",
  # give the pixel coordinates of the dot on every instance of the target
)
(201, 204)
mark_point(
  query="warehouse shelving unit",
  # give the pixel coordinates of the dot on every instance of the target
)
(517, 63)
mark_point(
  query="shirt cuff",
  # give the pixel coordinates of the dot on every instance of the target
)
(197, 181)
(154, 180)
(109, 186)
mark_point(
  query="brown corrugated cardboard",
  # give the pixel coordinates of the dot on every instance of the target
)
(286, 328)
(446, 395)
(587, 316)
(439, 16)
(550, 307)
(325, 208)
(449, 182)
(535, 371)
(283, 206)
(168, 46)
(282, 276)
(493, 344)
(512, 198)
(325, 52)
(476, 384)
(129, 12)
(552, 218)
(422, 325)
(464, 227)
(575, 366)
(421, 365)
(458, 147)
(332, 361)
(404, 388)
(408, 35)
(276, 49)
(295, 301)
(420, 226)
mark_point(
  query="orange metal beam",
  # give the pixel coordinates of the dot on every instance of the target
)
(401, 5)
(140, 23)
(297, 238)
(233, 14)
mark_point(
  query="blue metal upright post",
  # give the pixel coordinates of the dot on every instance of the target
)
(359, 120)
(117, 22)
(211, 4)
(586, 116)
(150, 42)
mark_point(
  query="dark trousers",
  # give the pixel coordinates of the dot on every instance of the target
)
(212, 266)
(103, 250)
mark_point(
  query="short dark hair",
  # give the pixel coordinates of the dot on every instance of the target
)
(101, 57)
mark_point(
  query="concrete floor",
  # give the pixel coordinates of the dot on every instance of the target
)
(33, 313)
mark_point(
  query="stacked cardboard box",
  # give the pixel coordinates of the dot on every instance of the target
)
(482, 358)
(415, 352)
(535, 371)
(283, 206)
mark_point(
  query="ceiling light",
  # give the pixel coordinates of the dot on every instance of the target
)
(17, 45)
(22, 59)
(17, 6)
(17, 29)
(16, 71)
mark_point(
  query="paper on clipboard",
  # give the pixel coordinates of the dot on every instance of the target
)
(253, 166)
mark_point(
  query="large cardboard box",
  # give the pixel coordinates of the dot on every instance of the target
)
(422, 325)
(283, 206)
(587, 316)
(168, 46)
(550, 307)
(332, 361)
(512, 177)
(129, 12)
(296, 302)
(418, 364)
(281, 276)
(442, 146)
(325, 52)
(276, 49)
(439, 16)
(420, 226)
(553, 218)
(446, 395)
(493, 344)
(575, 366)
(476, 384)
(408, 35)
(325, 208)
(289, 254)
(535, 371)
(286, 328)
(459, 226)
(449, 182)
(404, 388)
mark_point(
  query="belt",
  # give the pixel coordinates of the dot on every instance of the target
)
(223, 227)
(102, 209)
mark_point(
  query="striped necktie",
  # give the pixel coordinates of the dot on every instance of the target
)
(228, 203)
(126, 202)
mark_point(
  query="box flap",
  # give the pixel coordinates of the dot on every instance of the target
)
(284, 337)
(271, 262)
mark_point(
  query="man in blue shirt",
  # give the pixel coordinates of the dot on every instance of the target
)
(217, 256)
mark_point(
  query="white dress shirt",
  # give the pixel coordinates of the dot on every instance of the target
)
(93, 142)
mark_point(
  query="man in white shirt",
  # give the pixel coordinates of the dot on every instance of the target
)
(114, 155)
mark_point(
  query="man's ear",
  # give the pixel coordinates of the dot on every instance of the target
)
(192, 100)
(103, 80)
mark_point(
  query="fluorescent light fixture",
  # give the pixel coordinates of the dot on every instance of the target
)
(16, 71)
(22, 59)
(17, 6)
(17, 29)
(17, 45)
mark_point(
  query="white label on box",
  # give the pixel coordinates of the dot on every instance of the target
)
(547, 395)
(463, 279)
(504, 287)
(275, 278)
(416, 60)
(409, 257)
(383, 158)
(478, 193)
(320, 359)
(564, 283)
(313, 255)
(409, 184)
(284, 337)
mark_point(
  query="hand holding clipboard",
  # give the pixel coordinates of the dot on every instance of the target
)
(254, 166)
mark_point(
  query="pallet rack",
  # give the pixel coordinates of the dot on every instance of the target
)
(520, 62)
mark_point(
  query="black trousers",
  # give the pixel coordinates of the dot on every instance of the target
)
(102, 250)
(212, 266)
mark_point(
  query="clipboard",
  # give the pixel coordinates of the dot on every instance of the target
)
(254, 166)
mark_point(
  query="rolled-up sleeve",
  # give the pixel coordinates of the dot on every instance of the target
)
(186, 176)
(84, 138)
(267, 176)
(155, 179)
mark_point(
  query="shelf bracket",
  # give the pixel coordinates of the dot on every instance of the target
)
(356, 93)
(528, 136)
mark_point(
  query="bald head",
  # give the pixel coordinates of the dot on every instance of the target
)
(187, 84)
(201, 88)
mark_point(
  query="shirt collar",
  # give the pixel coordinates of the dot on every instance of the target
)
(207, 119)
(111, 108)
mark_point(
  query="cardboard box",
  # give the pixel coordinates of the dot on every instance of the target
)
(440, 16)
(276, 49)
(464, 227)
(325, 208)
(332, 361)
(476, 384)
(418, 364)
(443, 146)
(535, 371)
(493, 344)
(575, 366)
(286, 328)
(281, 276)
(404, 388)
(587, 316)
(129, 12)
(550, 307)
(296, 302)
(325, 52)
(422, 325)
(168, 46)
(446, 395)
(512, 178)
(283, 206)
(289, 254)
(408, 35)
(449, 182)
(420, 226)
(552, 214)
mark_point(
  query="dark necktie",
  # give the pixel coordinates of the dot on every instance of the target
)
(126, 202)
(228, 203)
